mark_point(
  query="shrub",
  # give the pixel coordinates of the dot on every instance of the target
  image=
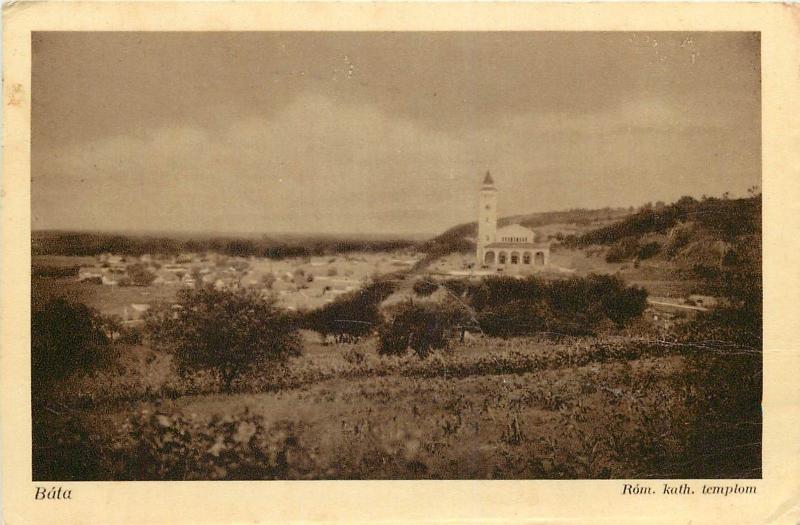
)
(725, 363)
(421, 327)
(509, 307)
(238, 446)
(54, 271)
(65, 337)
(64, 449)
(648, 250)
(351, 316)
(226, 331)
(678, 239)
(139, 275)
(425, 287)
(623, 250)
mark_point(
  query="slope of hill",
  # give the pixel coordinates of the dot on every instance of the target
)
(689, 232)
(461, 238)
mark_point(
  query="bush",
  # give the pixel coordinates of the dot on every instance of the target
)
(421, 327)
(725, 364)
(238, 446)
(225, 331)
(139, 275)
(623, 250)
(54, 271)
(509, 307)
(648, 250)
(425, 287)
(351, 316)
(65, 338)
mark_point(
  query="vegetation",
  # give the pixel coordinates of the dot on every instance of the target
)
(549, 379)
(421, 327)
(82, 244)
(351, 316)
(222, 331)
(683, 222)
(425, 287)
(508, 307)
(139, 275)
(54, 271)
(66, 338)
(457, 239)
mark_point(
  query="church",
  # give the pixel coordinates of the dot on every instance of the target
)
(511, 249)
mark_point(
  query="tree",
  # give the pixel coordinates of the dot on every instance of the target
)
(139, 275)
(225, 331)
(351, 316)
(66, 337)
(423, 327)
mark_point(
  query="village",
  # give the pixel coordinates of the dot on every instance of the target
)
(297, 283)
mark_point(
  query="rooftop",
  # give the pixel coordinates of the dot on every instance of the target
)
(519, 245)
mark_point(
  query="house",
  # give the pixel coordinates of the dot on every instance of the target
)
(89, 274)
(135, 311)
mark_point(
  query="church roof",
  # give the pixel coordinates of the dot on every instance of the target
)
(488, 179)
(514, 229)
(518, 245)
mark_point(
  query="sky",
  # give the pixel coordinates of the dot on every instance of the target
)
(381, 133)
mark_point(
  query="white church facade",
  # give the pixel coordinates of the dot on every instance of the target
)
(511, 249)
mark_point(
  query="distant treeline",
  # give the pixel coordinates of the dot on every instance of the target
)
(89, 244)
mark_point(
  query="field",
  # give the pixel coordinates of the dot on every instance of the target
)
(488, 408)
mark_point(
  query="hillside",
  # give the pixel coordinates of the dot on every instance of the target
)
(461, 238)
(709, 232)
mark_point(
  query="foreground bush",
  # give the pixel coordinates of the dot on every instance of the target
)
(224, 331)
(65, 337)
(234, 446)
(420, 327)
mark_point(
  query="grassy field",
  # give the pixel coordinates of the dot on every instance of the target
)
(487, 408)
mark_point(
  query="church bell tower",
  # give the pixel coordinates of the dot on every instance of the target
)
(487, 217)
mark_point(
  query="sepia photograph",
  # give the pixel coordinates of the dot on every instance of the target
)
(396, 255)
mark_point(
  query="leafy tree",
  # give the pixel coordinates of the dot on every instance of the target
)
(225, 331)
(421, 327)
(65, 337)
(139, 275)
(351, 316)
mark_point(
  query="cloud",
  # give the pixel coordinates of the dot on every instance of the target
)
(324, 166)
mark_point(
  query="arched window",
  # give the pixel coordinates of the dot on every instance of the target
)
(488, 258)
(514, 258)
(526, 258)
(501, 258)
